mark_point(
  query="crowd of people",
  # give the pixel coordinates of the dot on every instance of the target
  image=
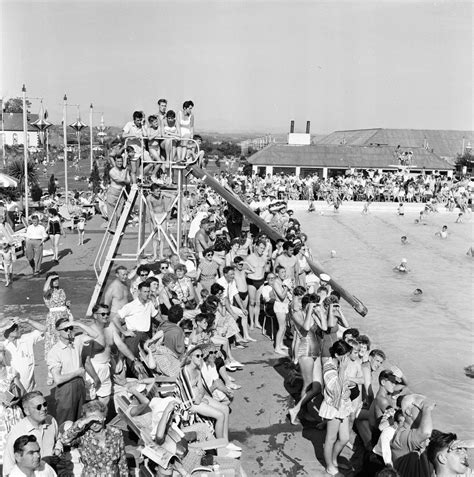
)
(178, 319)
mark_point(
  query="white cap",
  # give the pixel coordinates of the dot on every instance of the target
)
(324, 277)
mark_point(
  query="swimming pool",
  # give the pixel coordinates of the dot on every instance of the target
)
(432, 340)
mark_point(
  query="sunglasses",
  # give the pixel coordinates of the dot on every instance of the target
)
(103, 314)
(68, 328)
(209, 254)
(212, 352)
(198, 356)
(144, 274)
(164, 268)
(43, 405)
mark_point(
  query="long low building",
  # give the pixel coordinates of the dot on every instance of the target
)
(329, 160)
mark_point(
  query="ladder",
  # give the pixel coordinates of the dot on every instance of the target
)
(108, 252)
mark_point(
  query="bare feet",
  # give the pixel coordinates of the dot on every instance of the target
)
(331, 470)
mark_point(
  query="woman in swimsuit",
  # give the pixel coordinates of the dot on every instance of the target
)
(55, 231)
(308, 352)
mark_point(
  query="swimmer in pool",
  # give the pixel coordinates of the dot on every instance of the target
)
(404, 240)
(402, 268)
(444, 232)
(401, 209)
(460, 220)
(421, 219)
(470, 252)
(417, 295)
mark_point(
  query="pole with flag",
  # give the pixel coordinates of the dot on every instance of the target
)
(25, 150)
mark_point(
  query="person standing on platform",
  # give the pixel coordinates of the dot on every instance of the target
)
(234, 217)
(35, 237)
(119, 178)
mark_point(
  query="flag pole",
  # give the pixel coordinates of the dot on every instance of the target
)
(25, 151)
(3, 138)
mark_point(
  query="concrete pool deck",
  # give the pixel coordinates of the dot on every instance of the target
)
(271, 445)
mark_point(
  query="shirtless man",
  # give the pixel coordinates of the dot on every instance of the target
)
(134, 135)
(119, 178)
(376, 359)
(158, 202)
(202, 241)
(258, 264)
(153, 133)
(99, 351)
(386, 396)
(288, 260)
(117, 293)
(242, 269)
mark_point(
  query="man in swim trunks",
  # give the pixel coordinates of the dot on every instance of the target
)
(134, 135)
(242, 269)
(117, 293)
(258, 263)
(98, 351)
(202, 241)
(289, 262)
(119, 178)
(158, 202)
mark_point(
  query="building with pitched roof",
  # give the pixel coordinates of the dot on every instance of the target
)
(444, 143)
(12, 130)
(329, 160)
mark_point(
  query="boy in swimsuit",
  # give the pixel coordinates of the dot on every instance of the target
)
(242, 269)
(444, 232)
(134, 136)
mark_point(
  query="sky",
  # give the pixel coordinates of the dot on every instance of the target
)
(247, 65)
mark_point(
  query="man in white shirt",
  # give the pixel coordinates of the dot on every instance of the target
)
(35, 236)
(136, 316)
(20, 346)
(36, 423)
(28, 459)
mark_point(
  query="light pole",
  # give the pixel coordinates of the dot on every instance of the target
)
(78, 125)
(25, 150)
(42, 125)
(65, 105)
(100, 134)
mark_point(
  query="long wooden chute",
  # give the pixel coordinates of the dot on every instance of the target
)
(233, 200)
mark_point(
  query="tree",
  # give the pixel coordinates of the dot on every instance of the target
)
(15, 105)
(466, 159)
(94, 178)
(16, 169)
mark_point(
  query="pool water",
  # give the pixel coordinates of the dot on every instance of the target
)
(431, 340)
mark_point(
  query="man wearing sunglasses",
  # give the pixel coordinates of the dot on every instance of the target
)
(99, 350)
(37, 422)
(65, 364)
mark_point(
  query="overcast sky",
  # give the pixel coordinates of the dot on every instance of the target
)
(247, 65)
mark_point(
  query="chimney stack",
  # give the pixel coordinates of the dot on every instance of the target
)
(308, 126)
(292, 127)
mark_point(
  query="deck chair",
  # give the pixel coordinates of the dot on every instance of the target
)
(158, 454)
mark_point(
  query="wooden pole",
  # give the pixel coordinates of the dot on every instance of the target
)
(91, 139)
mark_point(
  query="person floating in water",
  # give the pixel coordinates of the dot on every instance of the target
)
(404, 240)
(401, 209)
(402, 268)
(417, 295)
(421, 220)
(470, 252)
(444, 232)
(460, 219)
